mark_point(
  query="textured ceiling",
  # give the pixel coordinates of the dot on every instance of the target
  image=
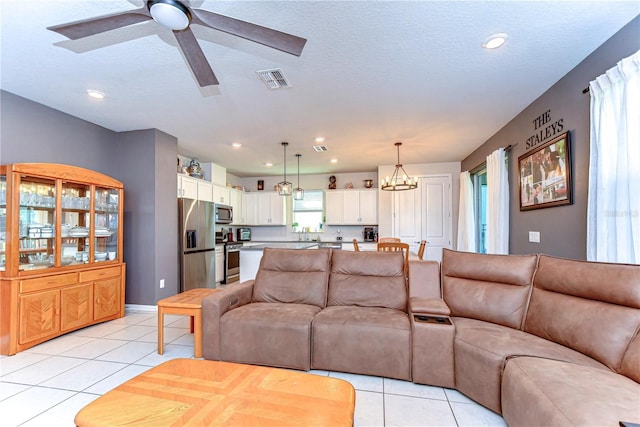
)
(372, 73)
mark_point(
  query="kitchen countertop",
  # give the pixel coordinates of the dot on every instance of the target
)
(281, 245)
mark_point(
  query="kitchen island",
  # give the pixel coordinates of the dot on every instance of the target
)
(250, 256)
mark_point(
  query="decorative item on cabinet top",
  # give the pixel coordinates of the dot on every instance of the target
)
(194, 169)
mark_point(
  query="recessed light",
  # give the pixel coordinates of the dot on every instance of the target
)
(95, 94)
(334, 160)
(495, 41)
(319, 139)
(236, 145)
(268, 164)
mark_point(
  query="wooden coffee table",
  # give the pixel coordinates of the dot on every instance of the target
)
(188, 303)
(184, 392)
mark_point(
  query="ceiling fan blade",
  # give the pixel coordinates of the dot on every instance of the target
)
(88, 27)
(195, 57)
(276, 39)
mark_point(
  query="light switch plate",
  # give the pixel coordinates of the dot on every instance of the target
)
(534, 236)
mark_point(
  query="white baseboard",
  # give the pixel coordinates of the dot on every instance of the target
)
(139, 308)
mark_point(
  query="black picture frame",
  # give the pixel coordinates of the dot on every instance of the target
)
(545, 175)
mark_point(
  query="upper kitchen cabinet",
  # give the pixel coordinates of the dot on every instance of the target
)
(221, 195)
(351, 207)
(60, 252)
(238, 202)
(194, 188)
(265, 208)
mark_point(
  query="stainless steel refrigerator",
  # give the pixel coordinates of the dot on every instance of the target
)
(197, 244)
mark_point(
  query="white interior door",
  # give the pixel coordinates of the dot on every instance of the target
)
(407, 217)
(425, 214)
(436, 214)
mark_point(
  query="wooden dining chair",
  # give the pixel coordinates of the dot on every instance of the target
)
(397, 247)
(355, 245)
(423, 245)
(389, 240)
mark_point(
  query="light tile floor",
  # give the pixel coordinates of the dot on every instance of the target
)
(48, 384)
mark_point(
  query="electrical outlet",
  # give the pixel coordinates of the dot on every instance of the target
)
(534, 236)
(161, 283)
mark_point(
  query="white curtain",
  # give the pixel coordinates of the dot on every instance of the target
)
(466, 215)
(497, 203)
(613, 209)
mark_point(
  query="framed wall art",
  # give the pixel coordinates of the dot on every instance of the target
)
(545, 175)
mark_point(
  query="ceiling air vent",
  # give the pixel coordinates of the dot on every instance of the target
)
(320, 148)
(274, 79)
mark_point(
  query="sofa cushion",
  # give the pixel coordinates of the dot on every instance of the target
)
(293, 276)
(494, 288)
(543, 392)
(588, 306)
(368, 279)
(481, 348)
(363, 340)
(273, 334)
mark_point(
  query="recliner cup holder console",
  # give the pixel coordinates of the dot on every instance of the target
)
(432, 319)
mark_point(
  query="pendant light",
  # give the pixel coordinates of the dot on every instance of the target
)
(284, 187)
(399, 181)
(298, 193)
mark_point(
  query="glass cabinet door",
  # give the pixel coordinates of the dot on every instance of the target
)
(37, 223)
(75, 224)
(3, 221)
(106, 223)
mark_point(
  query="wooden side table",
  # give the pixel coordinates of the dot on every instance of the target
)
(188, 303)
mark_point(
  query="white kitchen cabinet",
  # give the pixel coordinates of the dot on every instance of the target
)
(187, 187)
(368, 207)
(265, 208)
(334, 207)
(352, 207)
(194, 188)
(204, 191)
(271, 209)
(251, 208)
(237, 199)
(221, 195)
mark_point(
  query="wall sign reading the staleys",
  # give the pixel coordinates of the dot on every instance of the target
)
(544, 129)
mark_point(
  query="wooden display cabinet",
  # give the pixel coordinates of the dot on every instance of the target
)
(61, 246)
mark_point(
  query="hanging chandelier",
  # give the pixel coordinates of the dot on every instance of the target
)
(284, 187)
(399, 181)
(298, 193)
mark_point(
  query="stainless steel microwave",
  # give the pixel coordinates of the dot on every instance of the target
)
(224, 214)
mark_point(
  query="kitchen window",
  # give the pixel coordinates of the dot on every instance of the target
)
(308, 212)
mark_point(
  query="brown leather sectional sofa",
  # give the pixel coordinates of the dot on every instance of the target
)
(540, 340)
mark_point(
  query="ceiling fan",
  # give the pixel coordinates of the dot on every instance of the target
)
(177, 16)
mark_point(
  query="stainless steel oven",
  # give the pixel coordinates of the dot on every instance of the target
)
(232, 262)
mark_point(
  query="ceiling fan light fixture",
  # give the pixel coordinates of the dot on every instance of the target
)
(170, 13)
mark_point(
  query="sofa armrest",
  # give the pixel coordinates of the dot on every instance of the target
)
(432, 306)
(424, 279)
(213, 307)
